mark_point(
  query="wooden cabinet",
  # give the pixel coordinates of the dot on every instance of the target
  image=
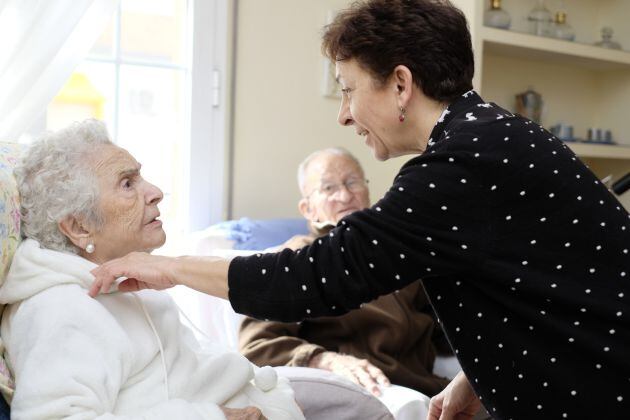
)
(581, 84)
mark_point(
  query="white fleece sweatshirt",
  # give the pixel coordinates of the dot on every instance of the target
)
(77, 357)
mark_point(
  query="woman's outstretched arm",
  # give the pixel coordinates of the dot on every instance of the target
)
(145, 271)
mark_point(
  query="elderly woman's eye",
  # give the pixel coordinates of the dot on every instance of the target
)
(126, 183)
(346, 91)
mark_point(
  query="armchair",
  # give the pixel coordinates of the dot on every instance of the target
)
(321, 395)
(9, 240)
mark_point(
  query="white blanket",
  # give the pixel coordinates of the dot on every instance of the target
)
(82, 358)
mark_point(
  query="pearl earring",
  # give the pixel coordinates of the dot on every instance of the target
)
(401, 117)
(89, 248)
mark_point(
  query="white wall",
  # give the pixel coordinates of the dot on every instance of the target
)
(280, 115)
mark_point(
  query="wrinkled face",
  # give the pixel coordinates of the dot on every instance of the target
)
(334, 187)
(128, 205)
(370, 108)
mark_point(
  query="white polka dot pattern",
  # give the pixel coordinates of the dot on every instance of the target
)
(523, 253)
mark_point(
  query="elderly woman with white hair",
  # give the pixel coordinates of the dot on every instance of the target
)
(84, 202)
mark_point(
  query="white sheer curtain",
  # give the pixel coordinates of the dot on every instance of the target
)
(41, 42)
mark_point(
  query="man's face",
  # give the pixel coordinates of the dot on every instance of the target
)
(334, 187)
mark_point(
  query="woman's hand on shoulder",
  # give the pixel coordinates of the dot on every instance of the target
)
(247, 413)
(458, 401)
(142, 271)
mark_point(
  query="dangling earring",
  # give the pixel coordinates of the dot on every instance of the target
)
(401, 117)
(89, 248)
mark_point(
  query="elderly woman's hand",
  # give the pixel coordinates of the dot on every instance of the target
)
(359, 371)
(247, 413)
(458, 401)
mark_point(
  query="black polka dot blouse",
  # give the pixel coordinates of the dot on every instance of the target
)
(522, 251)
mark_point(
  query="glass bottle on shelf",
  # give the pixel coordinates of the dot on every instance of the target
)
(496, 17)
(607, 41)
(561, 29)
(539, 19)
(529, 104)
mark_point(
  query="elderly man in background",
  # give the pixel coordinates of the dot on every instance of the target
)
(372, 345)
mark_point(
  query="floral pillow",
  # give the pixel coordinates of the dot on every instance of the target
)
(9, 205)
(9, 236)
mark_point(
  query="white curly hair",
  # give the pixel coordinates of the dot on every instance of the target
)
(55, 181)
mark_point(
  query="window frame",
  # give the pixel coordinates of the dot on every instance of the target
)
(208, 105)
(211, 112)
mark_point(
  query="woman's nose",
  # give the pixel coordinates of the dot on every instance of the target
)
(345, 117)
(153, 194)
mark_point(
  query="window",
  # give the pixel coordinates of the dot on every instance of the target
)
(139, 78)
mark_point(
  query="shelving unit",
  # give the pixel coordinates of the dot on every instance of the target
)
(600, 151)
(581, 84)
(521, 45)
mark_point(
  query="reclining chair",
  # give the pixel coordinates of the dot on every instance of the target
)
(9, 240)
(321, 396)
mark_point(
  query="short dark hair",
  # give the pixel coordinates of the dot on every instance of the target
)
(430, 37)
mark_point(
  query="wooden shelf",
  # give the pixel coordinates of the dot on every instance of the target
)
(520, 45)
(602, 151)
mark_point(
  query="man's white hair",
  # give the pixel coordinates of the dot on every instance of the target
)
(335, 151)
(55, 181)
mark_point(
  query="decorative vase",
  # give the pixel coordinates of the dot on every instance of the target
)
(496, 17)
(540, 19)
(529, 104)
(607, 41)
(561, 29)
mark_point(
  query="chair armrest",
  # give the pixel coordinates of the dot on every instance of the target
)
(323, 395)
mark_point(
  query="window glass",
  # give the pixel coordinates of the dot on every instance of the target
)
(151, 117)
(153, 30)
(134, 79)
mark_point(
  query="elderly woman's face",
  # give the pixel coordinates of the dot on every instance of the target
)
(372, 109)
(128, 204)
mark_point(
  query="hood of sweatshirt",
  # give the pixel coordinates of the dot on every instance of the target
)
(35, 269)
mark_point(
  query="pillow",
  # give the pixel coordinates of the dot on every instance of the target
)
(262, 234)
(405, 403)
(9, 206)
(9, 239)
(205, 242)
(446, 366)
(322, 395)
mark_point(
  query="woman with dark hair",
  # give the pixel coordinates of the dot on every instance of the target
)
(522, 251)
